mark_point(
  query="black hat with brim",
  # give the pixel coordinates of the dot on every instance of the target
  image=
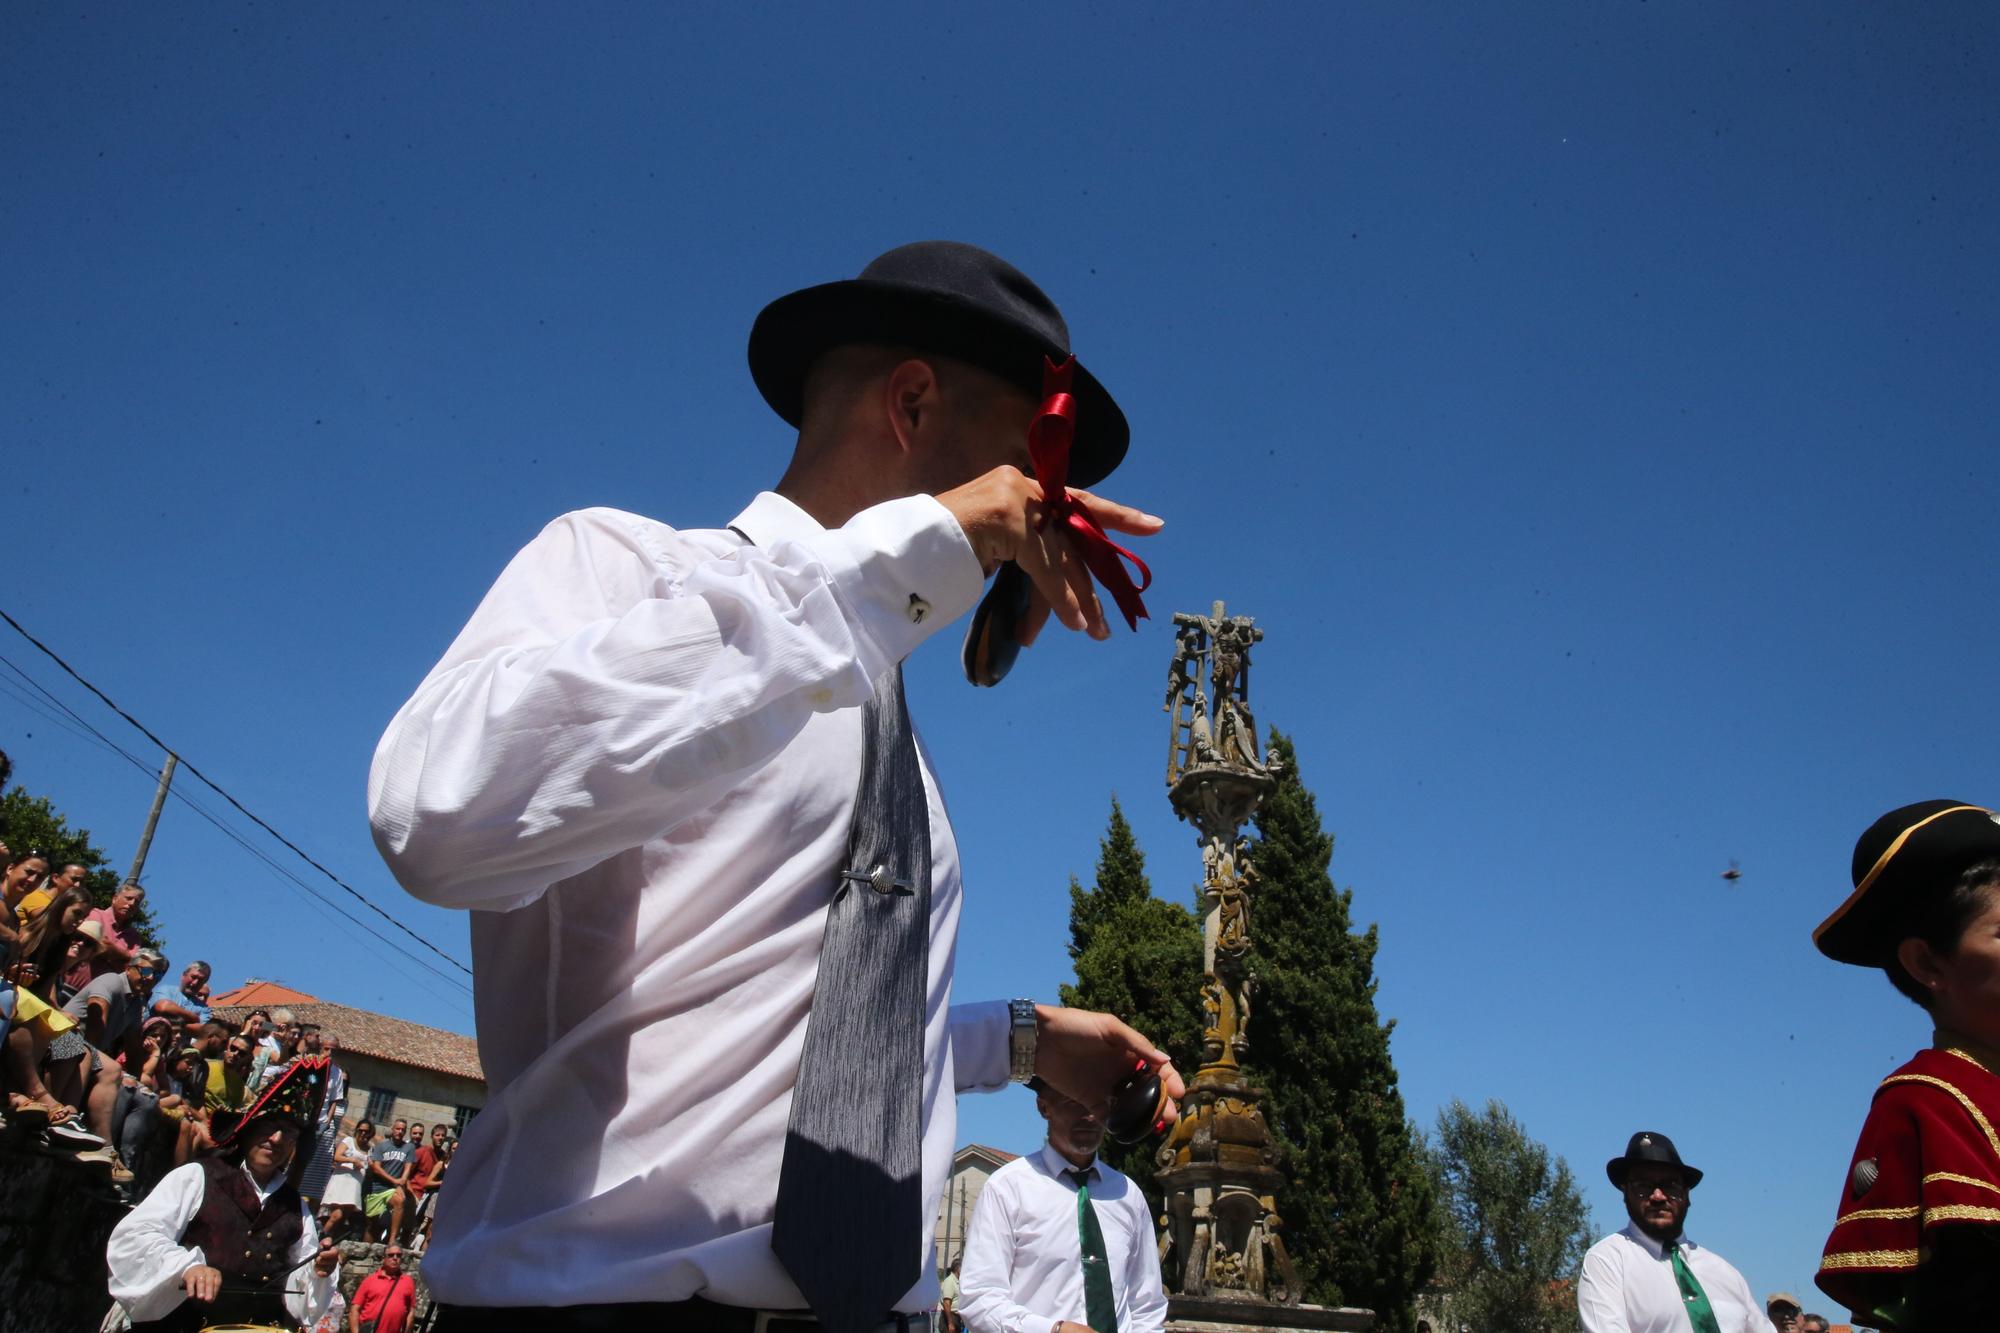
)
(945, 297)
(1901, 864)
(1647, 1146)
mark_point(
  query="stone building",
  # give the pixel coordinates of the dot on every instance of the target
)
(395, 1068)
(971, 1167)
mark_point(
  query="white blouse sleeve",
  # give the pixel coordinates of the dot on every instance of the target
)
(617, 679)
(146, 1255)
(308, 1294)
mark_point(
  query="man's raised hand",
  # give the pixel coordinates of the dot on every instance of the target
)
(1084, 1055)
(1003, 515)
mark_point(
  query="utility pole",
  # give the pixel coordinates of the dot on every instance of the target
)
(153, 817)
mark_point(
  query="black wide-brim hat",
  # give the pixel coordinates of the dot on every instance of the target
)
(1904, 860)
(945, 297)
(1647, 1146)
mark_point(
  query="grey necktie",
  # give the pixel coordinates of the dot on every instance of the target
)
(850, 1227)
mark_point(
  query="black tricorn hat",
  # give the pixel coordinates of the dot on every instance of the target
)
(946, 297)
(1647, 1146)
(1905, 859)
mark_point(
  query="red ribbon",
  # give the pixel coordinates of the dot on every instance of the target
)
(1049, 437)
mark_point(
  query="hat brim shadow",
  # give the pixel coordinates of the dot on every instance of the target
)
(794, 331)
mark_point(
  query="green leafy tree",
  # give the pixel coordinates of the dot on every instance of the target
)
(1361, 1219)
(1519, 1221)
(29, 822)
(1138, 957)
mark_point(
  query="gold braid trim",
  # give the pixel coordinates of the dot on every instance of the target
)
(1877, 1215)
(1961, 1212)
(1870, 1259)
(1936, 1176)
(1979, 1117)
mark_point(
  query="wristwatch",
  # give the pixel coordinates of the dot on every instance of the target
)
(1021, 1040)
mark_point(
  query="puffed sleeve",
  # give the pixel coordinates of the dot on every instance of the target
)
(617, 679)
(145, 1254)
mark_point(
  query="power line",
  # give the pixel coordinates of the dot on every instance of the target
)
(82, 727)
(217, 788)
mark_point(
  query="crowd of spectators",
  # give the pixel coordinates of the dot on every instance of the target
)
(114, 1059)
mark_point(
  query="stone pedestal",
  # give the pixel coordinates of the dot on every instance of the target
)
(1214, 1314)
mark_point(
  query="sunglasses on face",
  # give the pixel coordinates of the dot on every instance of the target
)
(1643, 1189)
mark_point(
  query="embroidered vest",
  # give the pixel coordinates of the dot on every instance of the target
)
(251, 1243)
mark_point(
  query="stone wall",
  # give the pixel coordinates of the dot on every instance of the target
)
(56, 1215)
(421, 1094)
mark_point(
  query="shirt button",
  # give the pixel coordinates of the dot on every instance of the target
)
(918, 609)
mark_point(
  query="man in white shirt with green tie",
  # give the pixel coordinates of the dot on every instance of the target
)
(1650, 1278)
(1061, 1242)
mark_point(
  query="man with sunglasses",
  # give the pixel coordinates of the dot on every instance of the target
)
(1650, 1278)
(642, 762)
(109, 1010)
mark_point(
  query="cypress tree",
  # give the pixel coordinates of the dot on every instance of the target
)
(1361, 1221)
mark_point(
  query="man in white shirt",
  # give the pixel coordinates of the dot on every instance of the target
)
(1060, 1242)
(1650, 1278)
(638, 765)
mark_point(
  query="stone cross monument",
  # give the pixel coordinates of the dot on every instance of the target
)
(1219, 1167)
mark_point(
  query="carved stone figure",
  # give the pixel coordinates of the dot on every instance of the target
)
(1219, 1165)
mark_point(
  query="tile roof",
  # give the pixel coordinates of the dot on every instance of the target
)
(396, 1040)
(256, 994)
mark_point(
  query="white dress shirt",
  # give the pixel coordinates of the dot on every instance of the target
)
(637, 763)
(1023, 1267)
(147, 1259)
(1628, 1286)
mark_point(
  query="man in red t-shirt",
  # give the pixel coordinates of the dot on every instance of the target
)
(384, 1298)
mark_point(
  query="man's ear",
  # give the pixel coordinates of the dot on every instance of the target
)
(1921, 962)
(911, 397)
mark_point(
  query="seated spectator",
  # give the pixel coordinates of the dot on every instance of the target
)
(121, 936)
(275, 1056)
(229, 1077)
(389, 1167)
(84, 946)
(267, 1035)
(108, 1010)
(385, 1297)
(46, 940)
(190, 1004)
(24, 874)
(31, 1027)
(68, 876)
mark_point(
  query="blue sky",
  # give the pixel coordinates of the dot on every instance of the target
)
(1594, 404)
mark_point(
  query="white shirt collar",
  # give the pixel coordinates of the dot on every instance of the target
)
(1057, 1164)
(1651, 1246)
(771, 518)
(264, 1191)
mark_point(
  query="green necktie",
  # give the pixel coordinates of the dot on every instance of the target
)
(1098, 1303)
(1699, 1315)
